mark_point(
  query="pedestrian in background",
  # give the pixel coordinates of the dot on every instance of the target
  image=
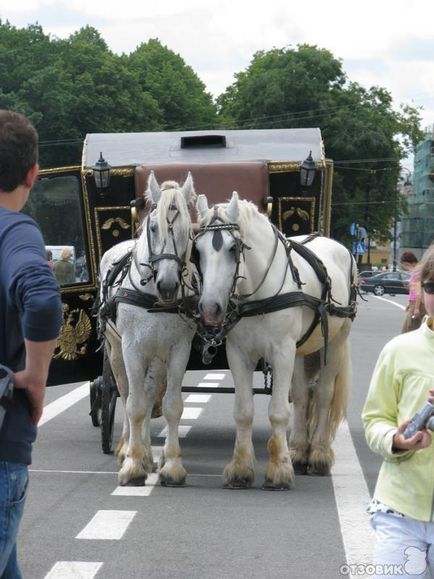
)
(30, 320)
(402, 507)
(64, 269)
(415, 309)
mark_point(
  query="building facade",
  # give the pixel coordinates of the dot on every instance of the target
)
(417, 228)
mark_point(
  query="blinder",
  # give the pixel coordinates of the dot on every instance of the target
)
(217, 242)
(155, 258)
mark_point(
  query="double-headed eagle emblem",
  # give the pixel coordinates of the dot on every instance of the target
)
(74, 334)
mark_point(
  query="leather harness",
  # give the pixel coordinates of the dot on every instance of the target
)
(239, 308)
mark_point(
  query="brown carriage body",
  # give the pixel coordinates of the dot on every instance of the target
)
(262, 165)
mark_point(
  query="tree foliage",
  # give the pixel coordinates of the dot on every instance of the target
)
(363, 133)
(76, 86)
(181, 95)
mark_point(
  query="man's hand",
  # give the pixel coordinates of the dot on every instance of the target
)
(35, 393)
(421, 439)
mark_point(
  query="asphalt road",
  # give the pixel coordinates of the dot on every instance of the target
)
(74, 526)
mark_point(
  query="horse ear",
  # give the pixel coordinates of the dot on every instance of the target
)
(187, 190)
(153, 191)
(233, 210)
(202, 205)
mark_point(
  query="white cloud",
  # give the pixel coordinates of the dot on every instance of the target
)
(380, 43)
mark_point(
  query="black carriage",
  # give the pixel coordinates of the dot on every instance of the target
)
(79, 208)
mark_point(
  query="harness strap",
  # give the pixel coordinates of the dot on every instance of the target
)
(187, 305)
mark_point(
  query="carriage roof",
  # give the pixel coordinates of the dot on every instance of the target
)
(126, 149)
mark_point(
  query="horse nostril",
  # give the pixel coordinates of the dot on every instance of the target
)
(218, 309)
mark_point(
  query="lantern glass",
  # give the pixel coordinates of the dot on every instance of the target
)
(101, 173)
(307, 171)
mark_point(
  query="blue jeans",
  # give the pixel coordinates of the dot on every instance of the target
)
(14, 479)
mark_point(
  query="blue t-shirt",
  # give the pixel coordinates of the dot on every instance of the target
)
(31, 308)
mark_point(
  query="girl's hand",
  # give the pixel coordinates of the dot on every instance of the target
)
(421, 439)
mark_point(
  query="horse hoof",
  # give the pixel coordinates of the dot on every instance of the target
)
(319, 469)
(270, 486)
(139, 481)
(300, 467)
(238, 484)
(166, 481)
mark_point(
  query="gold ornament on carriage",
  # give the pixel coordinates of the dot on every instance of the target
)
(114, 222)
(74, 334)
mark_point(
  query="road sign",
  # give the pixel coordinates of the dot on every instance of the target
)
(359, 248)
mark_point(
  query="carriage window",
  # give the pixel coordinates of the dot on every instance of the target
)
(54, 203)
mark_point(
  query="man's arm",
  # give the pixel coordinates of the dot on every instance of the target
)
(33, 378)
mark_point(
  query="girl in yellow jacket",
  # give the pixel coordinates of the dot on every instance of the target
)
(402, 509)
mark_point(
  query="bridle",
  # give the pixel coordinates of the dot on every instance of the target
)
(154, 257)
(216, 226)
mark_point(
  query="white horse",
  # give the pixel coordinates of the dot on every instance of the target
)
(249, 271)
(146, 349)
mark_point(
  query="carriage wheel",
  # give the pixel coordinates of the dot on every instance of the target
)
(109, 395)
(95, 401)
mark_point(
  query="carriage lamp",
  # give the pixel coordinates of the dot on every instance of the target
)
(101, 174)
(307, 171)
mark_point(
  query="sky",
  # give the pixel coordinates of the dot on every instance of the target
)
(380, 42)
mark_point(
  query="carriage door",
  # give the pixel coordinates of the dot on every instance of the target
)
(58, 206)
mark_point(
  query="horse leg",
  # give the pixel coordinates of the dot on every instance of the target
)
(280, 472)
(138, 462)
(329, 404)
(114, 350)
(240, 472)
(172, 471)
(298, 439)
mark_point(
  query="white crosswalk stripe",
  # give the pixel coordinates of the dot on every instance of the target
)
(73, 570)
(107, 525)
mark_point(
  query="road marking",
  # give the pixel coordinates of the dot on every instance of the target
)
(198, 398)
(63, 403)
(191, 413)
(208, 384)
(391, 302)
(142, 491)
(183, 430)
(48, 471)
(73, 570)
(352, 499)
(213, 376)
(107, 525)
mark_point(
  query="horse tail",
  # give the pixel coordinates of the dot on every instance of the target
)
(340, 390)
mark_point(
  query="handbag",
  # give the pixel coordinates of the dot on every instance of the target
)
(6, 391)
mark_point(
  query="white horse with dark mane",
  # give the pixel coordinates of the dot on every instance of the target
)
(277, 303)
(149, 349)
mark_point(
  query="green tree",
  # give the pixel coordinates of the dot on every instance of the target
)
(178, 90)
(362, 131)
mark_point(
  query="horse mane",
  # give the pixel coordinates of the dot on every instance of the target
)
(247, 212)
(171, 196)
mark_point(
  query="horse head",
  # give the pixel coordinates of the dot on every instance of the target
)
(166, 234)
(218, 245)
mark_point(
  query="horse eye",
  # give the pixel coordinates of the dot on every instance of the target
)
(153, 227)
(233, 248)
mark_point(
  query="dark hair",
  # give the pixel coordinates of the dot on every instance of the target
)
(18, 149)
(426, 264)
(408, 257)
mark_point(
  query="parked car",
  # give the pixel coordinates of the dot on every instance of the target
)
(388, 282)
(367, 273)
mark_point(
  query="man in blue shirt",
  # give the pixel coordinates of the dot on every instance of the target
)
(30, 320)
